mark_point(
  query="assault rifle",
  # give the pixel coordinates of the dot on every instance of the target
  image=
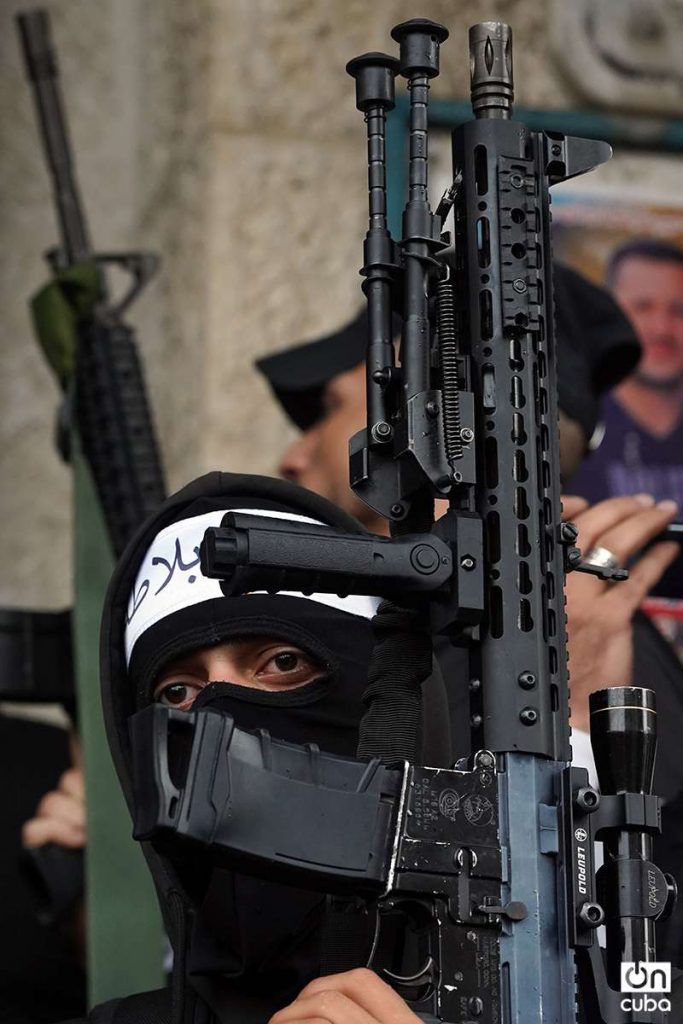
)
(105, 430)
(94, 356)
(81, 328)
(492, 862)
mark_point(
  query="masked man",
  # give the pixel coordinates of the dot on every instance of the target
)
(295, 666)
(248, 949)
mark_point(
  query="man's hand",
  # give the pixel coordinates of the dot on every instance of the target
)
(572, 505)
(355, 997)
(60, 815)
(600, 613)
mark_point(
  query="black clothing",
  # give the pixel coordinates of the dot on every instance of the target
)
(668, 856)
(40, 980)
(226, 965)
(141, 1008)
(242, 947)
(597, 346)
(656, 666)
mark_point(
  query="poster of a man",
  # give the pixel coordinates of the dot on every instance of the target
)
(638, 445)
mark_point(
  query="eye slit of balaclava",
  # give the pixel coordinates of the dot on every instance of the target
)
(295, 695)
(168, 642)
(321, 662)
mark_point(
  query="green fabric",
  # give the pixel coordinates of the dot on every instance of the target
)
(58, 308)
(124, 931)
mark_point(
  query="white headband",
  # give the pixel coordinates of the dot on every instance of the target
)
(170, 578)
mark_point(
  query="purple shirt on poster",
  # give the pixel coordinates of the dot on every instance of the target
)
(628, 460)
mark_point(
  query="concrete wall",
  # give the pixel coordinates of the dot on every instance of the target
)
(223, 134)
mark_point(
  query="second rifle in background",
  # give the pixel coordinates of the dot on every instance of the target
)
(81, 329)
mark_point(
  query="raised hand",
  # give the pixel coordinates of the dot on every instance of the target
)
(599, 613)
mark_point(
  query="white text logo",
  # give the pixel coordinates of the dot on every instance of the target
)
(643, 980)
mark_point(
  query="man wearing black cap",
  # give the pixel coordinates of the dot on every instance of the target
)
(321, 387)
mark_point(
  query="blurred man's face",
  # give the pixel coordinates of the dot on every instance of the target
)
(319, 458)
(651, 294)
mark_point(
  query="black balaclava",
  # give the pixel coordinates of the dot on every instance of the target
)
(246, 945)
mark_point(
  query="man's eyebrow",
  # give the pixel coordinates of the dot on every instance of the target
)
(184, 659)
(175, 666)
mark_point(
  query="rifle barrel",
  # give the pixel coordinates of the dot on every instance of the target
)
(41, 68)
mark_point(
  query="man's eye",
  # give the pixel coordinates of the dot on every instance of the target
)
(176, 695)
(294, 664)
(287, 661)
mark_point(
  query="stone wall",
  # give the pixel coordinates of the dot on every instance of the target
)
(223, 134)
(134, 79)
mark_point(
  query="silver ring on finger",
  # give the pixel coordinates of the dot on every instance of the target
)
(603, 558)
